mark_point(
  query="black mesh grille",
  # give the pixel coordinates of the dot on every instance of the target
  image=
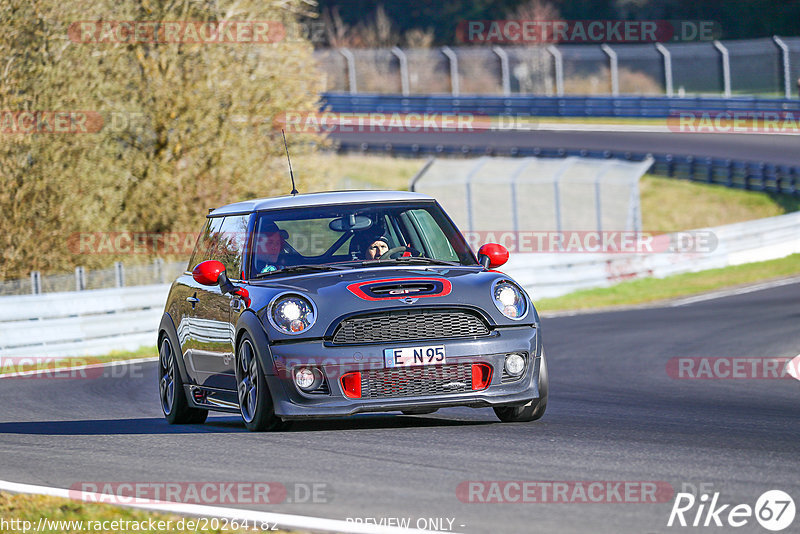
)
(410, 325)
(416, 381)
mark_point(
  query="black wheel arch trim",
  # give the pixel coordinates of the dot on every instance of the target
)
(168, 326)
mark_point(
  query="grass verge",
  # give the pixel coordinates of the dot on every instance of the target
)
(68, 516)
(656, 289)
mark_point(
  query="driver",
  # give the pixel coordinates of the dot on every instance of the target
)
(376, 247)
(269, 247)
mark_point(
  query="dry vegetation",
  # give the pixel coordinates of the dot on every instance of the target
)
(195, 130)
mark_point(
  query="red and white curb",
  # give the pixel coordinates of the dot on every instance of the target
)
(281, 521)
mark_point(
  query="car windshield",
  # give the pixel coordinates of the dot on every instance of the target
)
(330, 237)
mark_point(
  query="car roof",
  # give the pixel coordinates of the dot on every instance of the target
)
(318, 199)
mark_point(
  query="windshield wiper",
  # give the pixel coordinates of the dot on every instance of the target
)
(300, 268)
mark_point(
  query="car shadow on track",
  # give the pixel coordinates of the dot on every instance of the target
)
(157, 425)
(357, 422)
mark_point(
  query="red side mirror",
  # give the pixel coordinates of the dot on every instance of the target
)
(207, 272)
(492, 255)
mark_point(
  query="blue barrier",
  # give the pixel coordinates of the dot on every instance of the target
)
(552, 106)
(748, 175)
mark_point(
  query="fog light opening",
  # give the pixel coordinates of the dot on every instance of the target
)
(515, 364)
(307, 378)
(351, 384)
(481, 376)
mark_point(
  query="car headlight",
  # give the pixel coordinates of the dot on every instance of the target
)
(509, 299)
(291, 314)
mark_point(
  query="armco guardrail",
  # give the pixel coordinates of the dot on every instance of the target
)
(99, 321)
(81, 322)
(738, 174)
(553, 106)
(554, 274)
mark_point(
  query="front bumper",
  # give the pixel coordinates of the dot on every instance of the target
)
(336, 360)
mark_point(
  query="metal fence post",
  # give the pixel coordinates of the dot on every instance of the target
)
(667, 67)
(80, 278)
(504, 70)
(468, 189)
(451, 56)
(787, 81)
(613, 65)
(119, 272)
(558, 60)
(401, 57)
(36, 283)
(726, 68)
(158, 264)
(351, 69)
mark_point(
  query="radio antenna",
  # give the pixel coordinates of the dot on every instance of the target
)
(294, 189)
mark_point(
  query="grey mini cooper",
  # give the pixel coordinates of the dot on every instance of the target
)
(332, 304)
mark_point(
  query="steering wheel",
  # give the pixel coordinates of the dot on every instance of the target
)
(388, 254)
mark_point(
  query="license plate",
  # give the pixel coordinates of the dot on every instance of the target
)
(409, 356)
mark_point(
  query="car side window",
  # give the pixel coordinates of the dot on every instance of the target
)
(435, 240)
(230, 244)
(207, 242)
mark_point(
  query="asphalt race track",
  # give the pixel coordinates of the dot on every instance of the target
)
(614, 415)
(777, 149)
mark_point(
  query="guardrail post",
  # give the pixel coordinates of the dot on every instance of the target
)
(558, 60)
(158, 265)
(726, 68)
(451, 56)
(351, 69)
(401, 57)
(787, 82)
(119, 273)
(613, 66)
(667, 67)
(505, 73)
(80, 278)
(36, 283)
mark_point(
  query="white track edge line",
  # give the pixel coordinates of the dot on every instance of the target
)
(317, 524)
(34, 372)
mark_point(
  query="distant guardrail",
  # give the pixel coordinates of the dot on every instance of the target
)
(553, 106)
(740, 174)
(737, 174)
(554, 274)
(80, 323)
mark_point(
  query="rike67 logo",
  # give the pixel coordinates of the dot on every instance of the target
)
(774, 510)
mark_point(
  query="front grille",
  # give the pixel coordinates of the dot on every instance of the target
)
(416, 381)
(410, 325)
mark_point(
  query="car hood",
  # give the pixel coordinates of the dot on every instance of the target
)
(337, 294)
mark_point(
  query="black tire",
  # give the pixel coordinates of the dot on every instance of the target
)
(174, 405)
(534, 409)
(422, 411)
(255, 401)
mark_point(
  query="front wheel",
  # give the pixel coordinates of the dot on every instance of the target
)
(534, 409)
(255, 401)
(174, 405)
